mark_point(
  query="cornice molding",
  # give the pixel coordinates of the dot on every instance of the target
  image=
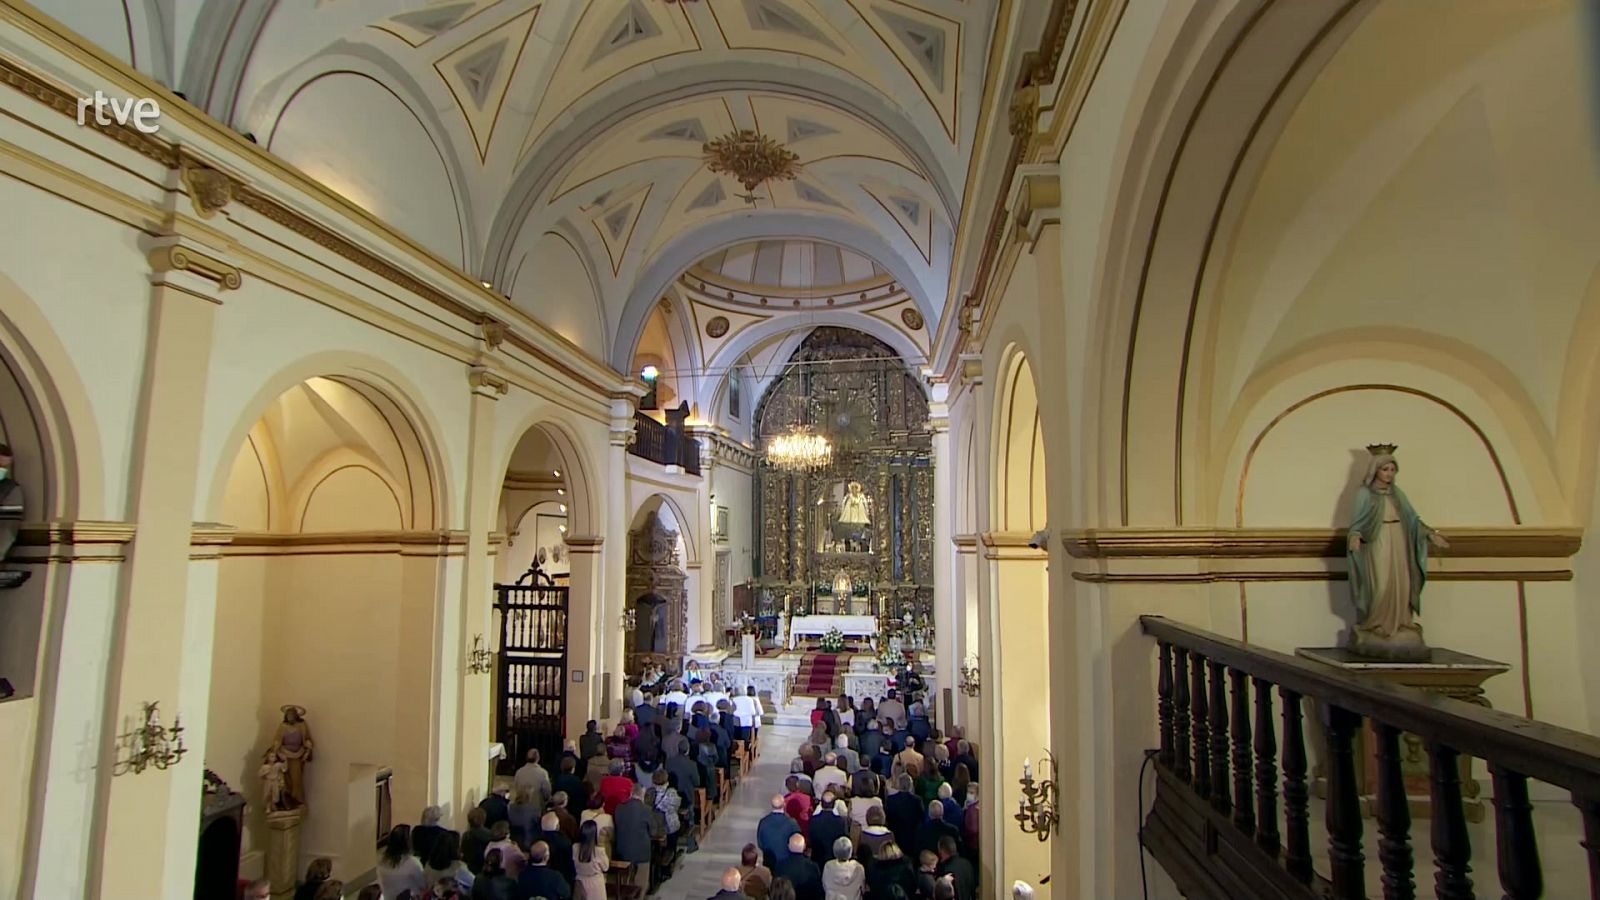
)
(1306, 543)
(63, 532)
(333, 543)
(1244, 577)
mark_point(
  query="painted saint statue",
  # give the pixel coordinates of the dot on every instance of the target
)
(1387, 546)
(292, 744)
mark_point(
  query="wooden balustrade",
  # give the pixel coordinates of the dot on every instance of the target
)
(668, 445)
(1217, 824)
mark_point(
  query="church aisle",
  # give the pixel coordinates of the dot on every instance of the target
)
(698, 877)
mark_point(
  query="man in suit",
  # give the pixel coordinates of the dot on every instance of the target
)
(805, 875)
(958, 869)
(732, 881)
(497, 807)
(551, 835)
(636, 830)
(475, 840)
(533, 782)
(592, 742)
(826, 827)
(904, 813)
(936, 829)
(681, 767)
(539, 880)
(773, 833)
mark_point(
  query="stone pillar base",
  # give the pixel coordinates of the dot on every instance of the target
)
(283, 850)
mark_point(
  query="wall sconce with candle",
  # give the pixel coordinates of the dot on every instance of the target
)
(150, 745)
(480, 661)
(1036, 811)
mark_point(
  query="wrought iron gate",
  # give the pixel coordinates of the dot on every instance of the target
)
(531, 689)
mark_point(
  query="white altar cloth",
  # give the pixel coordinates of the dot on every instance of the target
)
(817, 626)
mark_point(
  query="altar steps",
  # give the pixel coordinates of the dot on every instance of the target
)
(821, 674)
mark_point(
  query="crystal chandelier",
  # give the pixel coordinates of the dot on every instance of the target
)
(799, 450)
(751, 157)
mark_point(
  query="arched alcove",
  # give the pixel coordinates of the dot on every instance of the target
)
(328, 599)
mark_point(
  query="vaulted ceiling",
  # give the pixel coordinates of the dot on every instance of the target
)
(553, 147)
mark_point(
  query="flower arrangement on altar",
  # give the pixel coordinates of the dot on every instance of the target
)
(832, 642)
(888, 659)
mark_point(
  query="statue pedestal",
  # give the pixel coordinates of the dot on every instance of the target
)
(1448, 672)
(283, 850)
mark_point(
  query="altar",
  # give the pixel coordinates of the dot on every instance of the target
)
(817, 626)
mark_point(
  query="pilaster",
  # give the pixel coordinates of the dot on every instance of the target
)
(469, 733)
(946, 591)
(616, 562)
(585, 621)
(161, 650)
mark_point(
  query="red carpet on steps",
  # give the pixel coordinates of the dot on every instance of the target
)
(820, 674)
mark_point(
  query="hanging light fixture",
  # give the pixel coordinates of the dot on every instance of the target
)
(751, 157)
(799, 450)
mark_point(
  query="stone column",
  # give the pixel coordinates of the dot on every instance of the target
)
(148, 835)
(585, 618)
(470, 736)
(704, 634)
(946, 613)
(614, 584)
(80, 563)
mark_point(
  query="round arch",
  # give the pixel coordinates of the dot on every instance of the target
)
(686, 524)
(579, 473)
(382, 385)
(721, 233)
(1018, 493)
(53, 407)
(1222, 96)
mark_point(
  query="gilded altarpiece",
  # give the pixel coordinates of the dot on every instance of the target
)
(658, 599)
(855, 537)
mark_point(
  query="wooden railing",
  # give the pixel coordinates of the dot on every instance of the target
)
(668, 445)
(1217, 825)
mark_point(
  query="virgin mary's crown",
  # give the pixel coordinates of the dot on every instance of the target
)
(1382, 449)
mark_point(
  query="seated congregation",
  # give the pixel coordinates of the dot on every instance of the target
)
(874, 804)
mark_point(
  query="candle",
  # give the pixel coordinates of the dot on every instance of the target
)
(1027, 768)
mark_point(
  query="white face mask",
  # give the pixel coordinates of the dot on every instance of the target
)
(5, 473)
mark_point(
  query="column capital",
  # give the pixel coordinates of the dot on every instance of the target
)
(174, 262)
(971, 368)
(485, 382)
(584, 543)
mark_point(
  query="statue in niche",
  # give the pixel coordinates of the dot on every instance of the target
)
(852, 527)
(292, 745)
(10, 518)
(650, 632)
(1387, 547)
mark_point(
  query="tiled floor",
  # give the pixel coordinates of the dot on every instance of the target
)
(698, 877)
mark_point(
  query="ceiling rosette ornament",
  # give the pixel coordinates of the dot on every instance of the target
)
(752, 158)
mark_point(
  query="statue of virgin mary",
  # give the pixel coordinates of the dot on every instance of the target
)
(1387, 546)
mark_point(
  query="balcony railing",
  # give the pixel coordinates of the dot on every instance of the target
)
(1217, 825)
(668, 445)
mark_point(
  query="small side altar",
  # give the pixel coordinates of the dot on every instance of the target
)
(1447, 672)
